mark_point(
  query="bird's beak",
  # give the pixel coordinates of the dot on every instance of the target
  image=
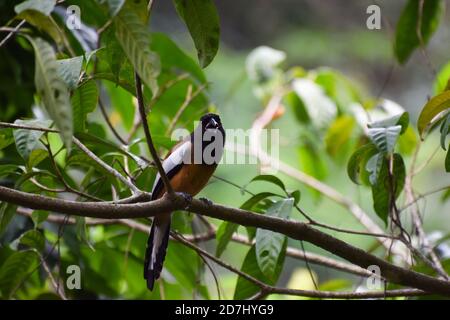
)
(212, 124)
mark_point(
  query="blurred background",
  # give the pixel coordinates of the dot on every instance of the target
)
(313, 33)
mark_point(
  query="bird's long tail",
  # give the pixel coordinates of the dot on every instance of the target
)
(156, 249)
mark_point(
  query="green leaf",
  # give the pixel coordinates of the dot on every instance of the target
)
(338, 134)
(202, 21)
(311, 160)
(69, 70)
(33, 239)
(134, 38)
(173, 58)
(356, 167)
(42, 22)
(113, 53)
(6, 137)
(406, 37)
(270, 178)
(432, 108)
(338, 87)
(407, 142)
(374, 167)
(26, 140)
(321, 109)
(84, 101)
(401, 119)
(445, 130)
(380, 191)
(299, 108)
(441, 83)
(52, 89)
(15, 269)
(268, 243)
(39, 216)
(43, 6)
(7, 169)
(7, 212)
(223, 236)
(385, 138)
(246, 289)
(255, 199)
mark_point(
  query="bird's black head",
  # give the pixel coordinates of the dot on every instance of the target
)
(209, 137)
(210, 121)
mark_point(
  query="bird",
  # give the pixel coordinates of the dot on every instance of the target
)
(188, 166)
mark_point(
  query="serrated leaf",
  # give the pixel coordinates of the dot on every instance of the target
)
(52, 89)
(224, 235)
(385, 139)
(33, 239)
(202, 20)
(15, 269)
(84, 101)
(26, 140)
(406, 38)
(432, 108)
(268, 243)
(42, 6)
(356, 166)
(69, 70)
(134, 38)
(381, 190)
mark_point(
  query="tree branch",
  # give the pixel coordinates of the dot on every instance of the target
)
(268, 289)
(293, 229)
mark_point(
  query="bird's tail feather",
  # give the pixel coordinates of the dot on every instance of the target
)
(156, 250)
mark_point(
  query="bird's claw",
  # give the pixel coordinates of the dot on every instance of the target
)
(187, 198)
(206, 201)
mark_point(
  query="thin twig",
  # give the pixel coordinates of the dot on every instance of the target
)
(105, 166)
(148, 136)
(255, 149)
(108, 122)
(10, 34)
(190, 96)
(268, 289)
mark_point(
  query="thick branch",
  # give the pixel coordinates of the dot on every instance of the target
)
(295, 230)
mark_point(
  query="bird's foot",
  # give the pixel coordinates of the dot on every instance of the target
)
(187, 198)
(206, 201)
